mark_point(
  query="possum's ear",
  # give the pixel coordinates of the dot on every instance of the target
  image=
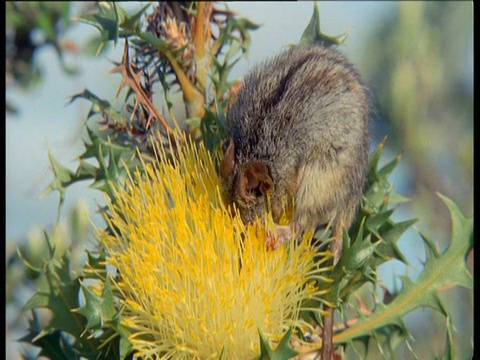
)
(254, 178)
(228, 162)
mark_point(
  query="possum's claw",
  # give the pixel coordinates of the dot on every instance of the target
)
(283, 233)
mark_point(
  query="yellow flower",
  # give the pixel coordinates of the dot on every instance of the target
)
(194, 281)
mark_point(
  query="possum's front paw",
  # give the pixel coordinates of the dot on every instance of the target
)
(283, 233)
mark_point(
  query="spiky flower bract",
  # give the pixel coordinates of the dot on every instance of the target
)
(194, 281)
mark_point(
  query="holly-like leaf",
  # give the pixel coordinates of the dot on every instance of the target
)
(360, 253)
(235, 30)
(283, 351)
(353, 262)
(52, 345)
(95, 264)
(440, 271)
(373, 164)
(98, 309)
(58, 291)
(99, 106)
(107, 21)
(213, 128)
(63, 178)
(313, 35)
(91, 309)
(108, 155)
(388, 249)
(373, 223)
(130, 23)
(387, 169)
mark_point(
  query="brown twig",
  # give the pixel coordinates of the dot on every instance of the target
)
(312, 351)
(327, 347)
(132, 79)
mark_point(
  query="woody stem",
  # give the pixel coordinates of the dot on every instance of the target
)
(327, 340)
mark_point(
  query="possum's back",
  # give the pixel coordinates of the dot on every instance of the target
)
(308, 99)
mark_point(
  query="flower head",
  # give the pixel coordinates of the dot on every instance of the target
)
(174, 24)
(194, 281)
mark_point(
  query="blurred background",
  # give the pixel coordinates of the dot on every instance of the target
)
(416, 58)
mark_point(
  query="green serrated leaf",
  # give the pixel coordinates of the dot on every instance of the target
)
(356, 255)
(161, 45)
(394, 198)
(431, 249)
(360, 253)
(99, 106)
(312, 30)
(313, 35)
(96, 263)
(33, 271)
(63, 178)
(107, 22)
(98, 309)
(388, 248)
(126, 348)
(449, 269)
(221, 73)
(247, 24)
(52, 345)
(86, 170)
(92, 145)
(283, 350)
(58, 291)
(375, 197)
(109, 311)
(387, 169)
(109, 157)
(212, 131)
(91, 309)
(130, 23)
(373, 161)
(373, 223)
(108, 28)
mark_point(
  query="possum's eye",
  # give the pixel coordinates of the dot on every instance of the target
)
(256, 192)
